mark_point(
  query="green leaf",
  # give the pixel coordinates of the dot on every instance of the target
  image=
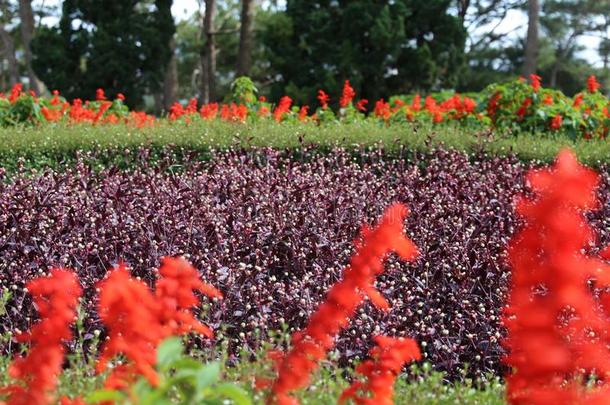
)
(169, 351)
(233, 392)
(104, 395)
(208, 375)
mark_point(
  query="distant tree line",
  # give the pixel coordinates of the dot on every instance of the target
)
(296, 47)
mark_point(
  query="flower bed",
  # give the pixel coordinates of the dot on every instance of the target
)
(273, 233)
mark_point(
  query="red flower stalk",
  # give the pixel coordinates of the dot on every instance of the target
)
(323, 98)
(592, 84)
(282, 108)
(348, 95)
(492, 106)
(174, 292)
(51, 115)
(524, 107)
(303, 111)
(100, 95)
(556, 122)
(416, 103)
(209, 111)
(310, 345)
(131, 315)
(556, 332)
(16, 92)
(56, 298)
(535, 79)
(138, 320)
(548, 100)
(361, 105)
(382, 110)
(387, 359)
(578, 100)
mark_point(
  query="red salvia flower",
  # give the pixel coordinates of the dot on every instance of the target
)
(56, 298)
(592, 84)
(416, 103)
(310, 345)
(524, 107)
(348, 95)
(323, 98)
(209, 111)
(50, 115)
(387, 359)
(303, 111)
(548, 100)
(174, 293)
(492, 106)
(120, 96)
(138, 320)
(361, 105)
(16, 92)
(131, 315)
(100, 95)
(535, 80)
(382, 110)
(551, 352)
(578, 100)
(556, 122)
(282, 108)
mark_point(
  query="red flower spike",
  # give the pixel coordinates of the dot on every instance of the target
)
(311, 344)
(56, 298)
(323, 98)
(387, 359)
(138, 320)
(174, 292)
(556, 122)
(550, 357)
(592, 84)
(348, 95)
(282, 108)
(130, 312)
(535, 80)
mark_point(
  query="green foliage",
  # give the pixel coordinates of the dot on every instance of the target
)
(24, 111)
(121, 46)
(244, 91)
(382, 47)
(183, 380)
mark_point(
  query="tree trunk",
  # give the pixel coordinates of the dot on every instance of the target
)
(170, 82)
(208, 55)
(244, 57)
(26, 16)
(554, 72)
(531, 45)
(9, 52)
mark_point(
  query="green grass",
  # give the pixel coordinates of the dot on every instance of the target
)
(54, 145)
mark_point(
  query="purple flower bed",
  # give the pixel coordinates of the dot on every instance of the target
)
(273, 233)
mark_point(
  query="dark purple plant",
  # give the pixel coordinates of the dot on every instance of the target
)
(273, 232)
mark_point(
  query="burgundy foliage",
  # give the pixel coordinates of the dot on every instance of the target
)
(273, 232)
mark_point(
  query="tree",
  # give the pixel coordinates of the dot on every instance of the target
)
(564, 22)
(382, 47)
(121, 46)
(208, 54)
(26, 16)
(531, 44)
(244, 57)
(7, 46)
